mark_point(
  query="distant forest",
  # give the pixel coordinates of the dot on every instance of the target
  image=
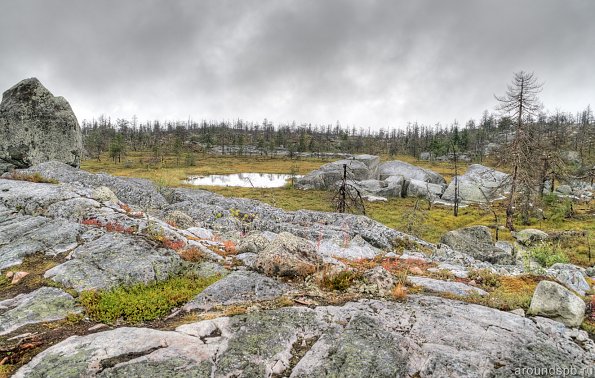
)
(550, 134)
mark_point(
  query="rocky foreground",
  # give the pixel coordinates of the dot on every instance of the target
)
(102, 232)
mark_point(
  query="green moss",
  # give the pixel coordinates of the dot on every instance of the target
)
(142, 302)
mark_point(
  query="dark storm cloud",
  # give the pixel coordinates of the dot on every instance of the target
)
(362, 62)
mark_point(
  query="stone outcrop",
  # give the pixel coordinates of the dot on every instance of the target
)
(477, 242)
(36, 127)
(42, 305)
(237, 287)
(426, 336)
(115, 259)
(478, 184)
(554, 301)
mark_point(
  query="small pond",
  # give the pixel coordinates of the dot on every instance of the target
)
(245, 180)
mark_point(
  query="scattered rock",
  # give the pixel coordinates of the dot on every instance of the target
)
(518, 311)
(457, 288)
(479, 184)
(105, 194)
(255, 242)
(380, 280)
(42, 305)
(361, 167)
(571, 276)
(36, 127)
(417, 188)
(237, 287)
(289, 256)
(530, 236)
(17, 276)
(477, 242)
(179, 219)
(554, 301)
(356, 248)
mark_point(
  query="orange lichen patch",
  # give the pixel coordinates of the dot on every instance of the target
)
(191, 254)
(173, 244)
(410, 265)
(230, 247)
(125, 207)
(109, 226)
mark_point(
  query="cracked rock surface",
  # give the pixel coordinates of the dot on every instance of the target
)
(359, 339)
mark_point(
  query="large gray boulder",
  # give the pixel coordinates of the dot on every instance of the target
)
(571, 276)
(530, 236)
(36, 127)
(409, 172)
(553, 300)
(479, 184)
(424, 337)
(360, 167)
(417, 188)
(477, 242)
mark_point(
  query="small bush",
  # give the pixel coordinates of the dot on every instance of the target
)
(485, 278)
(192, 254)
(142, 302)
(547, 254)
(399, 292)
(339, 281)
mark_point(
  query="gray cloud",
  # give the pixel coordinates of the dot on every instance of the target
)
(362, 62)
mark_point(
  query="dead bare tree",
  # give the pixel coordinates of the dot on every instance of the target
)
(348, 198)
(521, 103)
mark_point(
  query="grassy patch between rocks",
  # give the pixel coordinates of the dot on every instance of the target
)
(31, 177)
(142, 302)
(510, 293)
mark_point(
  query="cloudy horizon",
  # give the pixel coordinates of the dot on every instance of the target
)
(366, 63)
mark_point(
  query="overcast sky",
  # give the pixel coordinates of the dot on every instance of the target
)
(363, 63)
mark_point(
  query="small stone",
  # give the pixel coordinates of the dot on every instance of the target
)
(416, 270)
(18, 276)
(518, 311)
(97, 327)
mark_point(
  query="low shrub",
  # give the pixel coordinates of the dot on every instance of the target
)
(485, 277)
(548, 254)
(340, 281)
(142, 302)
